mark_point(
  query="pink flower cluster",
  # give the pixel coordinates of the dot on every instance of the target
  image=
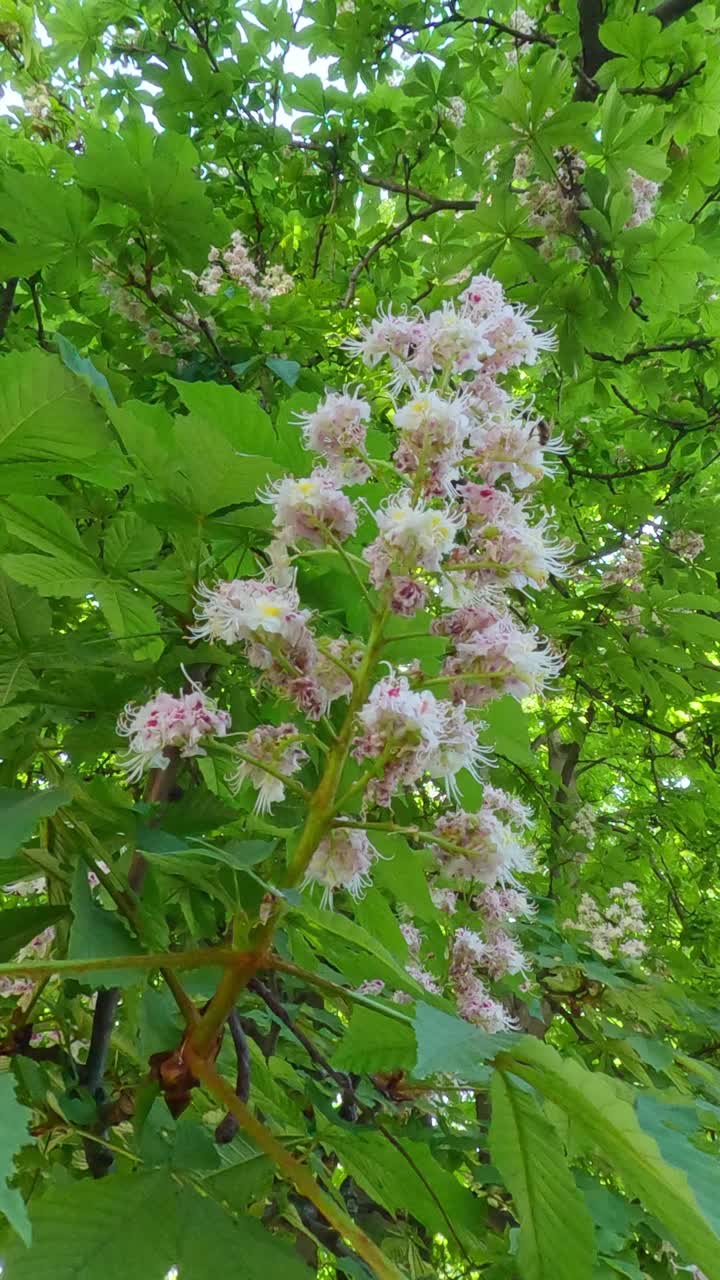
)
(616, 930)
(503, 546)
(686, 544)
(493, 655)
(479, 847)
(166, 721)
(314, 508)
(496, 957)
(236, 264)
(337, 430)
(412, 535)
(492, 335)
(411, 735)
(643, 193)
(342, 860)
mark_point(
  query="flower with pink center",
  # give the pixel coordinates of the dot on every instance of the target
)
(337, 430)
(412, 734)
(478, 847)
(371, 987)
(182, 723)
(412, 535)
(502, 956)
(508, 807)
(314, 508)
(423, 978)
(274, 745)
(686, 544)
(505, 545)
(514, 341)
(487, 402)
(643, 193)
(412, 936)
(483, 297)
(476, 1005)
(342, 860)
(492, 655)
(432, 431)
(408, 595)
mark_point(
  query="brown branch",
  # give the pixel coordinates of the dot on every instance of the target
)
(670, 10)
(438, 206)
(228, 1127)
(641, 353)
(628, 715)
(668, 90)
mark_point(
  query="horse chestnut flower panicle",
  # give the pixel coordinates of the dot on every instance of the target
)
(165, 721)
(492, 655)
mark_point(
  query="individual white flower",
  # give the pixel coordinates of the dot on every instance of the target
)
(277, 746)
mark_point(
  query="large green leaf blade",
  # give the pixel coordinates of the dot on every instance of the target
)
(143, 1225)
(610, 1123)
(556, 1230)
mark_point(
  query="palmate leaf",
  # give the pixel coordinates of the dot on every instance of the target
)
(46, 413)
(610, 1124)
(142, 1225)
(556, 1230)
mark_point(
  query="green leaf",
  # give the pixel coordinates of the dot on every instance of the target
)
(97, 934)
(287, 370)
(19, 925)
(143, 1225)
(507, 730)
(556, 1230)
(14, 1125)
(236, 413)
(447, 1044)
(24, 616)
(600, 1110)
(374, 1043)
(46, 413)
(84, 368)
(20, 812)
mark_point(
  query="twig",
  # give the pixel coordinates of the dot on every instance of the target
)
(6, 303)
(228, 1127)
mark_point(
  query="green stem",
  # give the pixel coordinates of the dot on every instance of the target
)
(340, 993)
(199, 958)
(294, 1171)
(318, 821)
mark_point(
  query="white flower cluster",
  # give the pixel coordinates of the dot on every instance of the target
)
(276, 746)
(236, 265)
(455, 112)
(686, 544)
(616, 930)
(412, 735)
(552, 206)
(644, 193)
(583, 824)
(183, 723)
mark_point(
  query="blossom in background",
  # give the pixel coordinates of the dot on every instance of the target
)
(616, 930)
(643, 193)
(184, 723)
(337, 430)
(626, 566)
(342, 860)
(235, 263)
(314, 508)
(686, 544)
(499, 905)
(583, 824)
(274, 745)
(454, 112)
